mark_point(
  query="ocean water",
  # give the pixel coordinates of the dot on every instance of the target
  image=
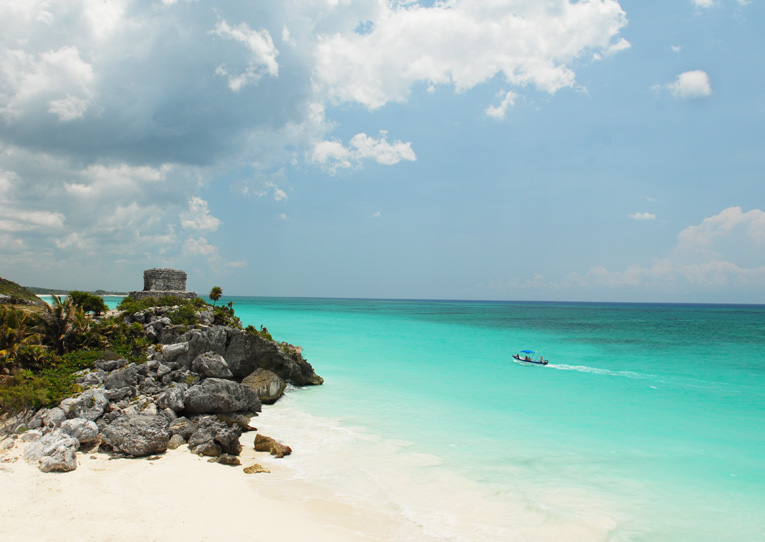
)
(648, 424)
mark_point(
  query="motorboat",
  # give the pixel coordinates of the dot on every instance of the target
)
(527, 356)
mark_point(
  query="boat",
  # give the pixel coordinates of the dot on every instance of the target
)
(527, 356)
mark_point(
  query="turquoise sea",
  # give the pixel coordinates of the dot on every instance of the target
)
(648, 424)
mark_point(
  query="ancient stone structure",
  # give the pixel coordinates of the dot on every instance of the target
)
(162, 282)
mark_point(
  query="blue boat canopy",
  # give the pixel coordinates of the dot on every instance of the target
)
(527, 351)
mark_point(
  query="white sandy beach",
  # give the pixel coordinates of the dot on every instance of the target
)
(177, 497)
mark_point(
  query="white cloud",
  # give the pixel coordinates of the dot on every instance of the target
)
(376, 214)
(333, 155)
(199, 247)
(238, 264)
(262, 48)
(464, 44)
(703, 3)
(198, 216)
(642, 216)
(725, 249)
(498, 111)
(691, 84)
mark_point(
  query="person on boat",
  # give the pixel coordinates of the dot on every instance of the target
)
(540, 359)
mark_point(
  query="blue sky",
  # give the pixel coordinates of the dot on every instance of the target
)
(603, 150)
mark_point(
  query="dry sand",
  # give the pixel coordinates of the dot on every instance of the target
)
(176, 497)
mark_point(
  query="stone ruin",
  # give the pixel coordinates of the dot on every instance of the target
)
(162, 282)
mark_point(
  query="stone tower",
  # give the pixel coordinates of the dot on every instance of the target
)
(162, 282)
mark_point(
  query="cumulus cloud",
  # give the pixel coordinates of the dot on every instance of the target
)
(642, 216)
(724, 249)
(498, 111)
(464, 44)
(703, 3)
(198, 216)
(113, 115)
(691, 84)
(333, 155)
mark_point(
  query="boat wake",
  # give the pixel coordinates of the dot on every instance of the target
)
(606, 372)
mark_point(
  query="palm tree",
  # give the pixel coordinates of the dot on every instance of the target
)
(215, 294)
(63, 323)
(16, 330)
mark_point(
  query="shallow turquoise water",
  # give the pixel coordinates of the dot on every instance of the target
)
(647, 425)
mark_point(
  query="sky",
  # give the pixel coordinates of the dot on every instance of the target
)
(601, 150)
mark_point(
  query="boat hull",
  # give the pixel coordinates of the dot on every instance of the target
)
(532, 361)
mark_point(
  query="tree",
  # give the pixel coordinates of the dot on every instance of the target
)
(88, 302)
(63, 323)
(215, 294)
(15, 333)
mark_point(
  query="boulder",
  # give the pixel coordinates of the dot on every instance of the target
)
(54, 452)
(267, 444)
(183, 427)
(85, 431)
(173, 351)
(212, 365)
(242, 419)
(89, 405)
(175, 442)
(229, 459)
(212, 434)
(215, 395)
(267, 386)
(122, 378)
(137, 435)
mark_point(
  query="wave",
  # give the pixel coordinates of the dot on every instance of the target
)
(607, 372)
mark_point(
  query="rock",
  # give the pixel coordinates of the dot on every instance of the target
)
(122, 378)
(54, 417)
(85, 431)
(54, 452)
(109, 365)
(162, 370)
(175, 441)
(211, 433)
(89, 379)
(7, 444)
(89, 405)
(267, 444)
(267, 386)
(211, 364)
(215, 395)
(183, 427)
(228, 459)
(172, 351)
(255, 469)
(242, 419)
(137, 435)
(30, 436)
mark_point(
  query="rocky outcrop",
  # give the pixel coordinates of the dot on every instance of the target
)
(244, 352)
(201, 385)
(215, 395)
(266, 385)
(137, 436)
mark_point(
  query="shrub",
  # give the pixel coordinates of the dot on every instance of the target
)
(88, 302)
(184, 315)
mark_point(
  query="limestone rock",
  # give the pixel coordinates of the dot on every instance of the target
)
(267, 444)
(172, 399)
(229, 459)
(122, 378)
(137, 435)
(85, 431)
(212, 435)
(54, 452)
(183, 427)
(175, 441)
(267, 386)
(89, 405)
(211, 364)
(215, 395)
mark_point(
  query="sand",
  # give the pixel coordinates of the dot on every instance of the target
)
(175, 497)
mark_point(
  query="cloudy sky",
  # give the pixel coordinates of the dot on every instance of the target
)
(455, 149)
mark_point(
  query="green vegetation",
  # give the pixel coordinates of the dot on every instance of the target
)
(130, 305)
(215, 294)
(88, 302)
(17, 292)
(184, 315)
(262, 333)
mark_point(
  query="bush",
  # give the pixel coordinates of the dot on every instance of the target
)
(88, 302)
(184, 315)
